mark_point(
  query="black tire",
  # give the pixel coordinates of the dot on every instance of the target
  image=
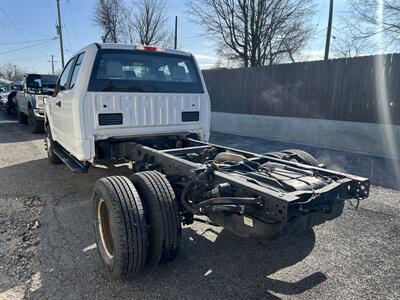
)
(49, 146)
(11, 104)
(302, 157)
(162, 214)
(22, 118)
(120, 226)
(35, 125)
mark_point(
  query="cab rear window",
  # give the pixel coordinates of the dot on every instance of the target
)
(144, 71)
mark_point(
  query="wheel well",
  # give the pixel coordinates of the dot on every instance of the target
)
(10, 95)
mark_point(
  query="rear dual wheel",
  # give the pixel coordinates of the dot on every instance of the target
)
(136, 222)
(120, 226)
(162, 215)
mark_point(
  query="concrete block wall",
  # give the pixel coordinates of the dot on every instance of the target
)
(381, 140)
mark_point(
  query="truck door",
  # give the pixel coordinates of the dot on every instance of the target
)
(68, 97)
(21, 98)
(59, 105)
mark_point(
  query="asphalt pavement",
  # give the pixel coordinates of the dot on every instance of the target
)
(356, 256)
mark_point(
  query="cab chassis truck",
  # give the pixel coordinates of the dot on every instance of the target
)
(177, 175)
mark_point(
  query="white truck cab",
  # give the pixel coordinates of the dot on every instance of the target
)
(118, 91)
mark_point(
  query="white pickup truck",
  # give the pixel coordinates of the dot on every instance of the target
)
(149, 107)
(29, 100)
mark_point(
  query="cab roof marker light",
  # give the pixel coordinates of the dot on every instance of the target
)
(149, 48)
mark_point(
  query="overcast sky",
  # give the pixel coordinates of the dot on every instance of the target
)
(24, 23)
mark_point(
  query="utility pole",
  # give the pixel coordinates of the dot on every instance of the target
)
(59, 32)
(176, 33)
(329, 30)
(52, 63)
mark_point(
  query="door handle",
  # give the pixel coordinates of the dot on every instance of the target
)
(58, 103)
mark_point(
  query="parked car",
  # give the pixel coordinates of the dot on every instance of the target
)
(5, 90)
(29, 100)
(12, 97)
(149, 106)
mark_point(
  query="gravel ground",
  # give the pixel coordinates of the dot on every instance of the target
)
(353, 257)
(19, 226)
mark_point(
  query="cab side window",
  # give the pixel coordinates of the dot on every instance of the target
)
(76, 70)
(63, 83)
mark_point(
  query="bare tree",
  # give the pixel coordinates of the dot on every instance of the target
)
(128, 32)
(256, 32)
(108, 16)
(372, 18)
(346, 43)
(145, 22)
(11, 72)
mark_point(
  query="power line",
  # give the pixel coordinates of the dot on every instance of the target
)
(29, 58)
(23, 30)
(15, 27)
(25, 42)
(29, 46)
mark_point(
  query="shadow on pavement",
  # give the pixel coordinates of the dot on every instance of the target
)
(296, 287)
(17, 132)
(230, 267)
(211, 263)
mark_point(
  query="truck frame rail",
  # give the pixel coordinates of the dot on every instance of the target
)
(253, 195)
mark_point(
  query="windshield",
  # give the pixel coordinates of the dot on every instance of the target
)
(37, 83)
(48, 81)
(138, 71)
